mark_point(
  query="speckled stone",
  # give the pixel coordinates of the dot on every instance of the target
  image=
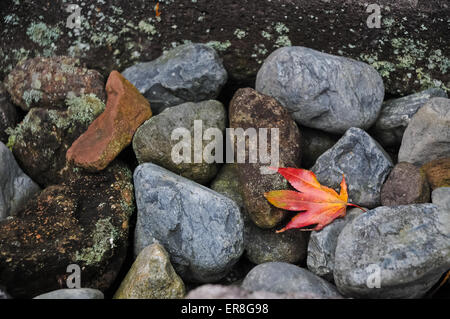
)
(250, 109)
(406, 245)
(201, 229)
(322, 91)
(363, 162)
(188, 73)
(151, 277)
(47, 82)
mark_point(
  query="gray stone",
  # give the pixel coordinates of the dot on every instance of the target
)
(153, 141)
(202, 230)
(322, 245)
(427, 136)
(15, 187)
(151, 277)
(187, 73)
(315, 143)
(407, 246)
(261, 245)
(363, 161)
(397, 113)
(441, 198)
(279, 277)
(323, 91)
(235, 292)
(76, 293)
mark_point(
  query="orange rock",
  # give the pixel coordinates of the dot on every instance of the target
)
(126, 109)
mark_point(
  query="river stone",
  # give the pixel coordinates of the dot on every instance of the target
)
(41, 140)
(397, 113)
(126, 109)
(441, 198)
(191, 72)
(8, 115)
(151, 277)
(202, 230)
(438, 172)
(315, 143)
(153, 140)
(407, 245)
(16, 188)
(250, 109)
(83, 221)
(322, 91)
(47, 82)
(363, 161)
(76, 293)
(405, 185)
(235, 292)
(427, 136)
(280, 277)
(322, 245)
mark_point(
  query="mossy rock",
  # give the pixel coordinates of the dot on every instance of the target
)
(83, 221)
(41, 140)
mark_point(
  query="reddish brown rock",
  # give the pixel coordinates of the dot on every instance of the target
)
(251, 109)
(438, 172)
(47, 82)
(126, 109)
(405, 185)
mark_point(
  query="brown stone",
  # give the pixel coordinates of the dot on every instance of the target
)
(126, 109)
(47, 82)
(250, 109)
(438, 172)
(405, 185)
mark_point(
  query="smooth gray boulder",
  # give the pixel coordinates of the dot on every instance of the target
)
(441, 198)
(397, 113)
(363, 162)
(323, 91)
(76, 293)
(153, 141)
(15, 186)
(201, 229)
(188, 73)
(427, 136)
(393, 252)
(322, 245)
(281, 278)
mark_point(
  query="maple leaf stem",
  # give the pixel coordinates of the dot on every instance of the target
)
(354, 205)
